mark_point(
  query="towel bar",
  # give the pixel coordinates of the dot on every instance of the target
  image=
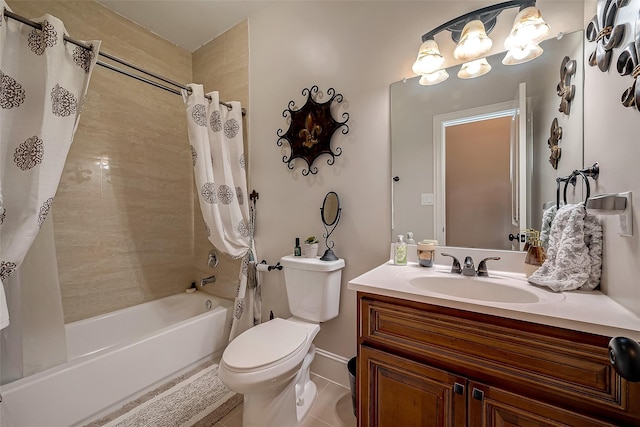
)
(614, 204)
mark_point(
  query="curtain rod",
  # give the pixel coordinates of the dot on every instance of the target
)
(38, 26)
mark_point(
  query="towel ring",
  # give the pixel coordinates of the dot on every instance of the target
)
(573, 176)
(567, 179)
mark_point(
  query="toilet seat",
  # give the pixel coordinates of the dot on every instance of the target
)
(265, 345)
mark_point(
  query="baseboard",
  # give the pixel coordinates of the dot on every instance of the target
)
(331, 366)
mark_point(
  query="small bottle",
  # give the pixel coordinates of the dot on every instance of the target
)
(297, 250)
(410, 240)
(400, 251)
(535, 255)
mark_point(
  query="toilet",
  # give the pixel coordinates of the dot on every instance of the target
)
(270, 362)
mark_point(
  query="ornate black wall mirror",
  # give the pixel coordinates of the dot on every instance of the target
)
(330, 213)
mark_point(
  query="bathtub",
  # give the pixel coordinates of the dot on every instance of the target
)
(117, 356)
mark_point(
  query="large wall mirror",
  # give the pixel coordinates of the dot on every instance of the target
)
(459, 171)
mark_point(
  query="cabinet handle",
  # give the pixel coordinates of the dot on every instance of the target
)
(458, 388)
(477, 394)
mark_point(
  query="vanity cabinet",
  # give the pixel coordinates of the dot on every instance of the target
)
(426, 365)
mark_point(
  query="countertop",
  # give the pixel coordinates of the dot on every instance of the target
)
(586, 311)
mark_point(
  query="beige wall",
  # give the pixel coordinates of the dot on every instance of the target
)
(124, 235)
(611, 138)
(358, 48)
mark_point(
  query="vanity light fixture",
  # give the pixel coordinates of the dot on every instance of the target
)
(475, 68)
(470, 33)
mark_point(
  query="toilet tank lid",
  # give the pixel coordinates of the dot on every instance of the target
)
(311, 264)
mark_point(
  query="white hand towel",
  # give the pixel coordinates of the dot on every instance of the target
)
(574, 258)
(547, 219)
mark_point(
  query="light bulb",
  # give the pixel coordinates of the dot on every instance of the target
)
(434, 78)
(522, 54)
(528, 27)
(473, 43)
(429, 58)
(476, 68)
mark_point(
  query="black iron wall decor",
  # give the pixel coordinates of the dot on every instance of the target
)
(605, 32)
(566, 91)
(554, 139)
(311, 128)
(629, 64)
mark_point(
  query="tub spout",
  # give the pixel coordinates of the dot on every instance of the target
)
(207, 280)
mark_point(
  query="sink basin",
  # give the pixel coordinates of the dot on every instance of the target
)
(493, 289)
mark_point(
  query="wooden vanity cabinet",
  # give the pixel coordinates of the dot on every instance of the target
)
(427, 365)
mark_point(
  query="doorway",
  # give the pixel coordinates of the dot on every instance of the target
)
(478, 176)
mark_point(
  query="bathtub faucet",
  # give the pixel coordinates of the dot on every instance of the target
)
(207, 280)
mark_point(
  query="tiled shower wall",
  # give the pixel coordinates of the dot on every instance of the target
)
(222, 65)
(125, 208)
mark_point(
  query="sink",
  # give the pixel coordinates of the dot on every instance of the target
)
(492, 289)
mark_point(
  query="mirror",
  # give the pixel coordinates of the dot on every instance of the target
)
(422, 116)
(330, 213)
(330, 208)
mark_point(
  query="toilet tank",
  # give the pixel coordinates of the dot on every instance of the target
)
(313, 287)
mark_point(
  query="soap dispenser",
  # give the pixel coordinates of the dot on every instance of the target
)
(410, 240)
(535, 254)
(400, 251)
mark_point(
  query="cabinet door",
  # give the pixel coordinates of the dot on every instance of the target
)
(398, 392)
(489, 407)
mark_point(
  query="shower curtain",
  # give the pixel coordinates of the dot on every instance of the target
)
(44, 81)
(215, 134)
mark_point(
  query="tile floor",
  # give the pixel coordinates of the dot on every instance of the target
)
(332, 408)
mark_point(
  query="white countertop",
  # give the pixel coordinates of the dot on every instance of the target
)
(587, 311)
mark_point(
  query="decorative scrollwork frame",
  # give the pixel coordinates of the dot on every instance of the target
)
(311, 128)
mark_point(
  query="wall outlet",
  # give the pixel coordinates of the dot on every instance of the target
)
(426, 199)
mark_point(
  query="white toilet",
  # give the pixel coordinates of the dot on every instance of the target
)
(269, 363)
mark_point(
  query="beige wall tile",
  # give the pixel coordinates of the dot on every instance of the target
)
(123, 213)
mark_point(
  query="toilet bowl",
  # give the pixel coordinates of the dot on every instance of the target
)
(269, 363)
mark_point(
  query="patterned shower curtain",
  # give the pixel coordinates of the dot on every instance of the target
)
(44, 81)
(215, 133)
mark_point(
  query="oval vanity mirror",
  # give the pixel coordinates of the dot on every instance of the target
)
(330, 214)
(330, 208)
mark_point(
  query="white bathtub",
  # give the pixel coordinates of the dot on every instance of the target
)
(117, 356)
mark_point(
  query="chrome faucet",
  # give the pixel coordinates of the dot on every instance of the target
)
(482, 267)
(207, 280)
(469, 268)
(455, 264)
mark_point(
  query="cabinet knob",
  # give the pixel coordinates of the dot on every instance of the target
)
(458, 388)
(477, 394)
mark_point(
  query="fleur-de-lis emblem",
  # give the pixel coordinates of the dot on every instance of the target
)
(554, 139)
(602, 30)
(566, 91)
(311, 132)
(629, 64)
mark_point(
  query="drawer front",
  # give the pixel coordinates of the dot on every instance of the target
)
(546, 363)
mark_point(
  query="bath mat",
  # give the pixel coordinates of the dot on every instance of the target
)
(196, 399)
